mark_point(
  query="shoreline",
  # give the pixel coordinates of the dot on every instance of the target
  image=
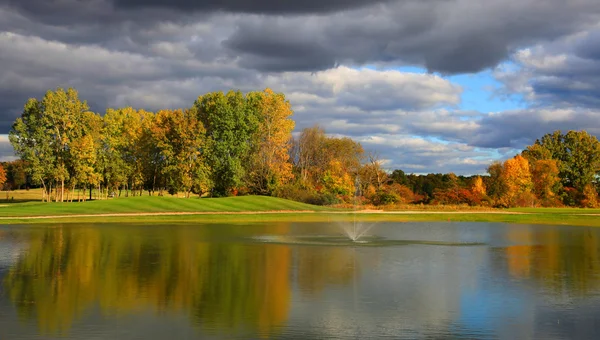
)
(284, 212)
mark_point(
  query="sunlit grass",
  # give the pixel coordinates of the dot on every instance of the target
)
(214, 209)
(154, 204)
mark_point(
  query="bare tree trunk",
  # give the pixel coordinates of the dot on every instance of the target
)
(44, 199)
(62, 189)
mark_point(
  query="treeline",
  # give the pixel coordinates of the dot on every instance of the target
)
(237, 144)
(557, 170)
(223, 143)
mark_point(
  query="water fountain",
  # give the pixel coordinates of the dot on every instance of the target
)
(354, 233)
(356, 230)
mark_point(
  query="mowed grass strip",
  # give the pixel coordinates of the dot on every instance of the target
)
(324, 216)
(558, 211)
(155, 204)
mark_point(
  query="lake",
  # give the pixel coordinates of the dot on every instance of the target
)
(299, 281)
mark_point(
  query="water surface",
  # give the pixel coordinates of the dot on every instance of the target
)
(299, 281)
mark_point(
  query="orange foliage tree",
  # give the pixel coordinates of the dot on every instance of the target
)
(2, 176)
(545, 180)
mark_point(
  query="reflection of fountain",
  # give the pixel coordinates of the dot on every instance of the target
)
(356, 230)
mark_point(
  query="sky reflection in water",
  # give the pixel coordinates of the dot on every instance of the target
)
(430, 280)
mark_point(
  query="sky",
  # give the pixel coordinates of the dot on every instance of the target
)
(429, 85)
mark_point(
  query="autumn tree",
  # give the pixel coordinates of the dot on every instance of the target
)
(546, 180)
(2, 176)
(270, 166)
(180, 137)
(127, 145)
(478, 187)
(517, 177)
(308, 154)
(371, 173)
(590, 197)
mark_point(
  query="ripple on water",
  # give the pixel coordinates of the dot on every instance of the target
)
(340, 241)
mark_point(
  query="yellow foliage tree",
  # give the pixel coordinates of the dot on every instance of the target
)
(478, 187)
(271, 166)
(517, 177)
(2, 176)
(336, 180)
(590, 197)
(545, 178)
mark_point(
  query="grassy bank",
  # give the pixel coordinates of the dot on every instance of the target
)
(549, 219)
(154, 204)
(249, 209)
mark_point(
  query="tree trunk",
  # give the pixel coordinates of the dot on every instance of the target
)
(90, 192)
(44, 192)
(62, 189)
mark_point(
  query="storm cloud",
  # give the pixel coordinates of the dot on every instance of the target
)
(338, 62)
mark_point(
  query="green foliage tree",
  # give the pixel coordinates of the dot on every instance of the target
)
(230, 121)
(578, 154)
(33, 144)
(44, 134)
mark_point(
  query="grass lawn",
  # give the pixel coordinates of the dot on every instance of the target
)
(154, 204)
(279, 210)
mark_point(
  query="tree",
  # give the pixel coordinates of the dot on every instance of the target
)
(270, 164)
(372, 174)
(516, 175)
(590, 197)
(546, 180)
(2, 176)
(230, 122)
(478, 187)
(536, 152)
(578, 154)
(179, 135)
(309, 155)
(497, 186)
(16, 174)
(32, 142)
(128, 148)
(64, 119)
(399, 177)
(83, 153)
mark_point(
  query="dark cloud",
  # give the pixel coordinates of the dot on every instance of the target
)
(563, 73)
(254, 6)
(445, 36)
(154, 55)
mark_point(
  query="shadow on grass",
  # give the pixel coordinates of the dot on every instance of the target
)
(18, 200)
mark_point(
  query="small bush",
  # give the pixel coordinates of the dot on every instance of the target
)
(385, 198)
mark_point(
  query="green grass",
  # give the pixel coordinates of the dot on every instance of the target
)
(290, 211)
(322, 216)
(556, 211)
(154, 204)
